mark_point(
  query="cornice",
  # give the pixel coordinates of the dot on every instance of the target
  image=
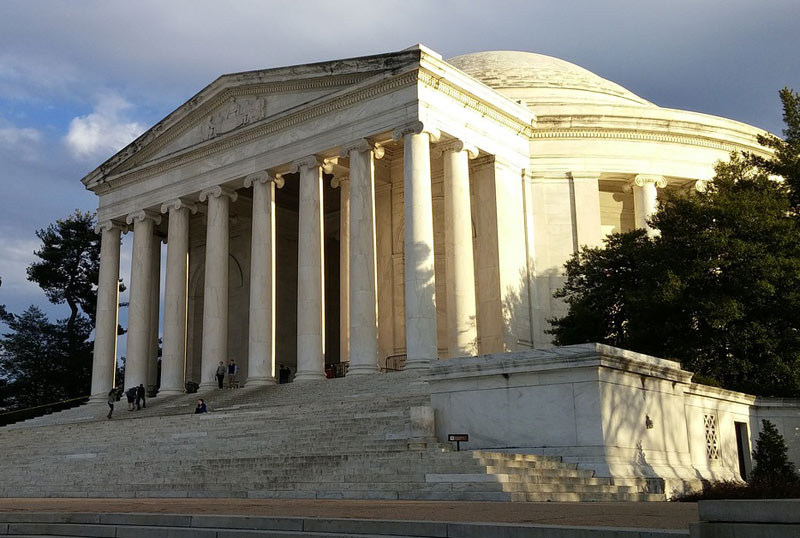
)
(645, 136)
(262, 129)
(468, 101)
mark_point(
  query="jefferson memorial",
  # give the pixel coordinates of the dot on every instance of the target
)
(392, 212)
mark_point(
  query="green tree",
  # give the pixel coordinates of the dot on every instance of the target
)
(68, 268)
(772, 465)
(718, 289)
(37, 363)
(787, 151)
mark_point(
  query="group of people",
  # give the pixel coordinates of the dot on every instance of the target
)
(136, 398)
(228, 372)
(136, 395)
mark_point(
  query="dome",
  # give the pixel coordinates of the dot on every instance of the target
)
(536, 79)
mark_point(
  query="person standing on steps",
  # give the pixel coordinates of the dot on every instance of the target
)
(112, 397)
(140, 394)
(220, 374)
(232, 369)
(131, 395)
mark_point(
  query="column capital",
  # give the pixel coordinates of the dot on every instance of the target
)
(416, 127)
(176, 204)
(107, 225)
(308, 162)
(263, 177)
(456, 145)
(142, 215)
(337, 181)
(362, 145)
(642, 179)
(218, 191)
(701, 185)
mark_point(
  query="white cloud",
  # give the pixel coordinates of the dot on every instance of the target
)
(103, 132)
(15, 256)
(22, 142)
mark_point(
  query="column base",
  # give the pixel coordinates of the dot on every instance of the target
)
(208, 385)
(171, 392)
(259, 382)
(417, 364)
(362, 370)
(308, 376)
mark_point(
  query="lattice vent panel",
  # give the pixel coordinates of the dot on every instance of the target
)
(712, 446)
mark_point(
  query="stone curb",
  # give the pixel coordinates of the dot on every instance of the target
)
(123, 525)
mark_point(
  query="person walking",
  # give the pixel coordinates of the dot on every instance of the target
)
(112, 397)
(232, 369)
(220, 374)
(140, 394)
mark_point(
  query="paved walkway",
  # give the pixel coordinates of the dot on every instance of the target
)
(631, 515)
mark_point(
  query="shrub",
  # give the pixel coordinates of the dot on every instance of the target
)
(772, 466)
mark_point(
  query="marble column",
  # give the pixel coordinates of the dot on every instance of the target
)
(173, 354)
(261, 335)
(462, 327)
(310, 273)
(645, 201)
(362, 286)
(104, 363)
(420, 285)
(155, 300)
(141, 295)
(343, 184)
(215, 288)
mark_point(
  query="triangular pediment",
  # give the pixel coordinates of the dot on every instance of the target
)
(238, 101)
(240, 107)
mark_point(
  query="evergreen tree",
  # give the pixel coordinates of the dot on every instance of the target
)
(787, 151)
(68, 268)
(772, 466)
(36, 362)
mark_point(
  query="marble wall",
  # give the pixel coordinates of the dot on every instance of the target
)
(626, 415)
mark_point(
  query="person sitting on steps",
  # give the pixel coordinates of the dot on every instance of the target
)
(201, 407)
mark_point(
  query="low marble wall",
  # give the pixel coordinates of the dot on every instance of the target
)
(626, 415)
(776, 518)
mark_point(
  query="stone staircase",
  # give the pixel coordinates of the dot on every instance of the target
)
(354, 438)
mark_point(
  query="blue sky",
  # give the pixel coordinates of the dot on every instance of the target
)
(80, 79)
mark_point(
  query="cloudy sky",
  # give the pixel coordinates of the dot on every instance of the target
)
(81, 79)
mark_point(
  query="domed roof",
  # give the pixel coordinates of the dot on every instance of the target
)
(536, 79)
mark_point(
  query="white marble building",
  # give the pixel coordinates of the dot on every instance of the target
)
(382, 211)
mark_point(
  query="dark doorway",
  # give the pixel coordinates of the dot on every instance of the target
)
(742, 448)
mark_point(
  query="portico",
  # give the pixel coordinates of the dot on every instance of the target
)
(371, 213)
(267, 263)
